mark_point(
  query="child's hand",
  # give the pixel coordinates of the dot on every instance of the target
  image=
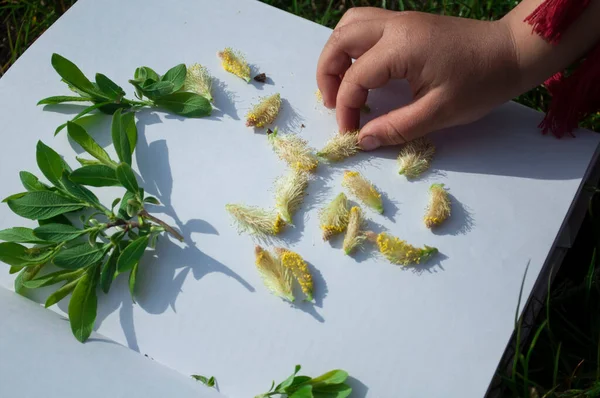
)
(458, 70)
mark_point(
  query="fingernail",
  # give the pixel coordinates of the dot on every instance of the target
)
(369, 143)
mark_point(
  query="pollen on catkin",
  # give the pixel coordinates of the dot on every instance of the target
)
(235, 63)
(199, 81)
(355, 235)
(319, 96)
(289, 193)
(400, 252)
(294, 151)
(256, 221)
(340, 146)
(299, 268)
(264, 112)
(439, 207)
(415, 157)
(363, 190)
(277, 278)
(333, 219)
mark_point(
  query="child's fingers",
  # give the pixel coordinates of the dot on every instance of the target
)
(370, 71)
(348, 42)
(401, 125)
(356, 14)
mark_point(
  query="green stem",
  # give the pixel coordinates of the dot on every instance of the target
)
(163, 224)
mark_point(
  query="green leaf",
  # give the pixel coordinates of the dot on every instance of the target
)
(124, 203)
(78, 191)
(288, 382)
(152, 200)
(49, 162)
(18, 255)
(72, 74)
(87, 162)
(332, 391)
(57, 232)
(51, 279)
(80, 256)
(120, 138)
(95, 176)
(132, 254)
(61, 293)
(25, 275)
(109, 270)
(42, 205)
(59, 99)
(109, 88)
(175, 75)
(297, 382)
(132, 279)
(145, 72)
(31, 182)
(14, 196)
(60, 219)
(20, 235)
(128, 123)
(82, 113)
(155, 90)
(336, 376)
(83, 306)
(15, 268)
(80, 136)
(303, 392)
(209, 382)
(127, 178)
(186, 104)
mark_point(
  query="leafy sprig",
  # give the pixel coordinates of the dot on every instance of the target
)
(328, 385)
(103, 244)
(166, 91)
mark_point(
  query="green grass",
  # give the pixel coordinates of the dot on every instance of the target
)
(561, 357)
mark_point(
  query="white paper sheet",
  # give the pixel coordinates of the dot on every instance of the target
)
(435, 331)
(38, 359)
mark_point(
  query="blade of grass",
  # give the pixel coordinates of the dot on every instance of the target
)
(556, 362)
(518, 324)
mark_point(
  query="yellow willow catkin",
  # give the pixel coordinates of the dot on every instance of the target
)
(340, 146)
(234, 62)
(319, 96)
(289, 193)
(355, 235)
(333, 219)
(264, 112)
(400, 252)
(439, 207)
(299, 268)
(293, 150)
(277, 278)
(363, 190)
(255, 220)
(199, 81)
(415, 157)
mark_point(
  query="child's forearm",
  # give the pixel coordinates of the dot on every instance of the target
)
(539, 59)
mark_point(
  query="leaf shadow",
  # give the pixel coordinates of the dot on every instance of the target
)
(359, 390)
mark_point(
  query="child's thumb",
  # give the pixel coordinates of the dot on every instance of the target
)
(399, 126)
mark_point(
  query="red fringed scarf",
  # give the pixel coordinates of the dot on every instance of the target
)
(577, 95)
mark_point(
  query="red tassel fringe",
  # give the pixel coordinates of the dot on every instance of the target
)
(575, 96)
(553, 17)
